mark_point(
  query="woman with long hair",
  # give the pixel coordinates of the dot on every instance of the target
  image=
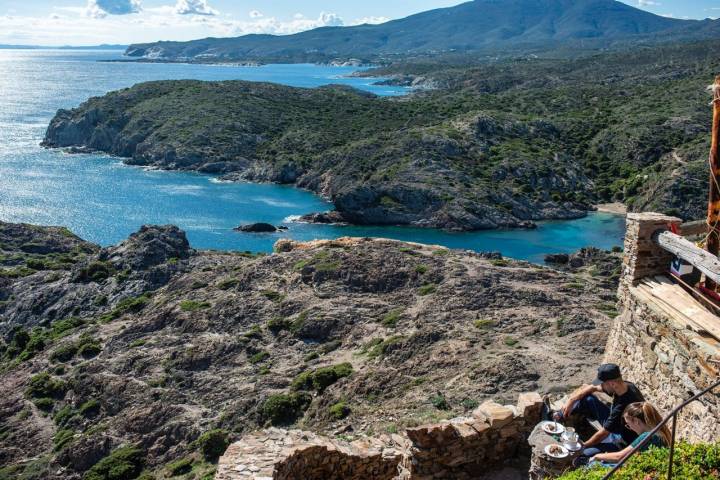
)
(642, 418)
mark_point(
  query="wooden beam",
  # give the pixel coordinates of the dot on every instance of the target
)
(713, 213)
(704, 261)
(694, 228)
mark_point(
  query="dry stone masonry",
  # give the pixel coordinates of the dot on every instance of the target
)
(669, 362)
(462, 448)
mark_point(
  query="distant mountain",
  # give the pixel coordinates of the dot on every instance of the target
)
(480, 25)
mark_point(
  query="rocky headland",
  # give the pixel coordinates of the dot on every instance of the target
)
(151, 356)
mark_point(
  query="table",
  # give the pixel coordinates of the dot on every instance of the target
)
(543, 466)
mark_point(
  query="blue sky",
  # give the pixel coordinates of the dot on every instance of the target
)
(87, 22)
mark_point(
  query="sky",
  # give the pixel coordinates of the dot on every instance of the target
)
(94, 22)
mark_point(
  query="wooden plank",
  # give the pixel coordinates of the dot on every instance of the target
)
(694, 228)
(681, 306)
(706, 262)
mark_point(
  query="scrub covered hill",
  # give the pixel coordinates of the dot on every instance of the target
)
(493, 145)
(149, 355)
(492, 26)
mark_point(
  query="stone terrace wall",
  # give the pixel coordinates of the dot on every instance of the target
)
(668, 363)
(459, 449)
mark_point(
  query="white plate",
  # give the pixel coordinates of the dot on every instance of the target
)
(563, 454)
(558, 428)
(573, 448)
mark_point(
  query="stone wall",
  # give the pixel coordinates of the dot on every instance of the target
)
(461, 448)
(667, 361)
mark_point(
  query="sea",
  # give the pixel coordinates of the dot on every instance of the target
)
(102, 200)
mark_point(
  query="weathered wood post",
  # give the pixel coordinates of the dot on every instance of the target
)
(713, 239)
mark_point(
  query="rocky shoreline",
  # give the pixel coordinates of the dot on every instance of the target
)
(151, 345)
(382, 176)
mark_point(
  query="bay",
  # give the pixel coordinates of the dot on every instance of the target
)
(103, 200)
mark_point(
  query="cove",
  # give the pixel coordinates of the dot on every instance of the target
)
(103, 200)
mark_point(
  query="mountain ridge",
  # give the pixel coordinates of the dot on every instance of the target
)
(479, 25)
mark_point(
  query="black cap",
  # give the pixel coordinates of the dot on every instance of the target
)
(607, 371)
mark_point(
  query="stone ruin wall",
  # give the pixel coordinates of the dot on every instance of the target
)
(462, 448)
(667, 362)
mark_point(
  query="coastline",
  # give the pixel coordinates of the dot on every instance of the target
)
(616, 207)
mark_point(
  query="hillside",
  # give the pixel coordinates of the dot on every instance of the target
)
(150, 344)
(492, 26)
(493, 145)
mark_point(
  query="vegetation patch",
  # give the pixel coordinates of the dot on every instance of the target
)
(692, 462)
(125, 463)
(484, 323)
(439, 401)
(321, 378)
(282, 409)
(427, 289)
(179, 467)
(278, 324)
(213, 443)
(96, 271)
(391, 318)
(340, 410)
(272, 295)
(193, 305)
(259, 357)
(379, 347)
(43, 385)
(129, 305)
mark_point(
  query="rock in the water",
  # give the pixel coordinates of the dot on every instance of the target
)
(559, 258)
(324, 217)
(256, 228)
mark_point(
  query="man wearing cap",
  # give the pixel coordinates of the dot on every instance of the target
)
(583, 402)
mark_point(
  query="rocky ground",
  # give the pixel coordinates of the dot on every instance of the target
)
(127, 356)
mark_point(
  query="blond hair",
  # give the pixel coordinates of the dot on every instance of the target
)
(647, 414)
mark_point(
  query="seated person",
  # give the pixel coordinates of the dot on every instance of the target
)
(583, 402)
(642, 418)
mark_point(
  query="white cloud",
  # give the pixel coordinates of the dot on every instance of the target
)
(103, 8)
(255, 14)
(194, 7)
(370, 20)
(330, 20)
(647, 3)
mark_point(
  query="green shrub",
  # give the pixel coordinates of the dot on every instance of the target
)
(311, 356)
(63, 415)
(193, 306)
(469, 404)
(129, 305)
(427, 289)
(228, 283)
(62, 328)
(254, 332)
(500, 262)
(259, 357)
(378, 347)
(484, 323)
(43, 385)
(391, 318)
(322, 378)
(340, 410)
(284, 409)
(213, 443)
(62, 438)
(89, 408)
(64, 353)
(125, 463)
(179, 467)
(510, 342)
(616, 249)
(96, 272)
(438, 401)
(277, 324)
(421, 269)
(692, 462)
(45, 404)
(89, 349)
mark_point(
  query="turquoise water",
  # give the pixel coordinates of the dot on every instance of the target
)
(103, 200)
